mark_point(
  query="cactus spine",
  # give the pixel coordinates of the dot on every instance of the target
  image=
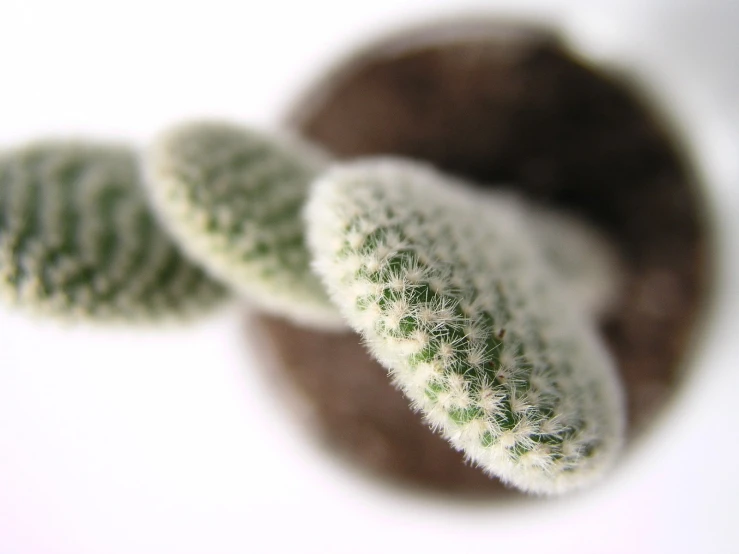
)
(452, 295)
(77, 239)
(233, 199)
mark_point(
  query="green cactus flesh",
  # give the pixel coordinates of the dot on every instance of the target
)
(233, 198)
(451, 294)
(77, 239)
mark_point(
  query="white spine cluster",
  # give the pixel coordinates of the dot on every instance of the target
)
(452, 295)
(233, 198)
(77, 239)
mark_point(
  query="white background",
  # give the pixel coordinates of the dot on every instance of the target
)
(176, 441)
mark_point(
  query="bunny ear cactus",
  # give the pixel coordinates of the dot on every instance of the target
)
(77, 239)
(451, 293)
(233, 198)
(480, 308)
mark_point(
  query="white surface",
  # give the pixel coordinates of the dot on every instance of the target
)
(171, 441)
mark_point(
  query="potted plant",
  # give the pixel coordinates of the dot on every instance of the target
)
(509, 107)
(498, 340)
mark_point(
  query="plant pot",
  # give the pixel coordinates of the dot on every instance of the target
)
(505, 105)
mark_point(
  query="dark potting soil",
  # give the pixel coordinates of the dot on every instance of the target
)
(506, 105)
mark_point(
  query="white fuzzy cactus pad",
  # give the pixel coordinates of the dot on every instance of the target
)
(452, 296)
(77, 238)
(233, 198)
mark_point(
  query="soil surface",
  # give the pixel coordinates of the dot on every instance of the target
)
(512, 105)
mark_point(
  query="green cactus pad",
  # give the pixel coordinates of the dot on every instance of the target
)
(77, 239)
(452, 295)
(233, 198)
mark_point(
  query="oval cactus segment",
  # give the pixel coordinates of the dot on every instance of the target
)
(77, 238)
(453, 297)
(582, 258)
(233, 198)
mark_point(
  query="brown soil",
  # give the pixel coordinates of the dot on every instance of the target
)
(505, 104)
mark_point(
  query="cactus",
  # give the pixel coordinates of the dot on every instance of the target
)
(480, 307)
(233, 199)
(452, 294)
(581, 258)
(77, 239)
